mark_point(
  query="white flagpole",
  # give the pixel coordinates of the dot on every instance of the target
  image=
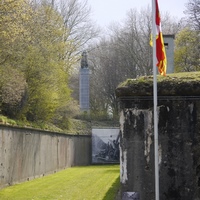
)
(155, 100)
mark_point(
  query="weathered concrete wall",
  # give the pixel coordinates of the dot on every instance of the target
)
(179, 142)
(26, 153)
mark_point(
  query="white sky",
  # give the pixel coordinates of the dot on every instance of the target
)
(106, 11)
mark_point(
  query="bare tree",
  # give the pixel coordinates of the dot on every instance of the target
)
(125, 54)
(170, 24)
(103, 62)
(193, 13)
(77, 20)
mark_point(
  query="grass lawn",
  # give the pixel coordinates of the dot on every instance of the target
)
(76, 183)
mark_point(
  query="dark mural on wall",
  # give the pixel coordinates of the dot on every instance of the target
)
(105, 145)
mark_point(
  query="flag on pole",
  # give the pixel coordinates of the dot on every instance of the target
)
(160, 47)
(159, 60)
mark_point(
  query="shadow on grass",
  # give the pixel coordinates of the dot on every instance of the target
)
(112, 192)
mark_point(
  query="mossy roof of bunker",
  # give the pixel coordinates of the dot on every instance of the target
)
(177, 84)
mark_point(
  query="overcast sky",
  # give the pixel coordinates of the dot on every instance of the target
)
(106, 11)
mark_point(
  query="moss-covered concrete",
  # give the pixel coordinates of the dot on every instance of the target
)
(186, 84)
(178, 136)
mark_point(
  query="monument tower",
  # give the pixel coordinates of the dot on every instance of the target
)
(84, 84)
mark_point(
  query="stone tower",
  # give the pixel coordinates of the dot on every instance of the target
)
(84, 99)
(169, 47)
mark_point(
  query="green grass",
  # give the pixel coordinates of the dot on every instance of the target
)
(76, 183)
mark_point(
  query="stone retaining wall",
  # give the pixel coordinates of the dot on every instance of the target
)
(27, 153)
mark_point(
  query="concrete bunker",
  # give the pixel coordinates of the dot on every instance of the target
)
(178, 129)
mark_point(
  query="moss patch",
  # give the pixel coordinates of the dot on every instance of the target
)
(177, 84)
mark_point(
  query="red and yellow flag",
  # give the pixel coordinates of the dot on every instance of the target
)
(160, 47)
